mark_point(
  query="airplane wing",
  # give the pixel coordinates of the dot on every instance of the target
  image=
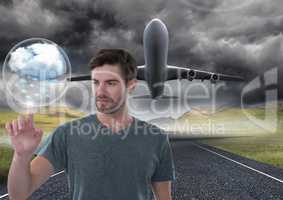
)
(175, 72)
(140, 75)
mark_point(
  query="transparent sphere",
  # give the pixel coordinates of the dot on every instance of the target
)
(35, 72)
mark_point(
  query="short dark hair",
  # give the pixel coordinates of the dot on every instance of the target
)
(124, 59)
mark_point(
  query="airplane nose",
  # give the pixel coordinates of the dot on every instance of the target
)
(156, 23)
(155, 28)
(156, 20)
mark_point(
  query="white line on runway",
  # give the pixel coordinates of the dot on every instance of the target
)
(246, 166)
(5, 195)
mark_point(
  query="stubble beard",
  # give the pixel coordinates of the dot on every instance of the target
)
(115, 107)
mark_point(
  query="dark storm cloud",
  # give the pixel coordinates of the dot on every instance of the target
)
(226, 36)
(25, 19)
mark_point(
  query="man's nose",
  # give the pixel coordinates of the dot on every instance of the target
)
(100, 89)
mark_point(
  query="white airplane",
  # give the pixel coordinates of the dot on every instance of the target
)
(156, 70)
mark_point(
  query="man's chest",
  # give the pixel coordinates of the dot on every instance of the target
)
(110, 158)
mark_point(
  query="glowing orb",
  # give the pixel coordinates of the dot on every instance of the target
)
(35, 72)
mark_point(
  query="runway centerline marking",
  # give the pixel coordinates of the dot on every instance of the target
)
(234, 161)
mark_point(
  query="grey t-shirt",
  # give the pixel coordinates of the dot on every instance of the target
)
(104, 165)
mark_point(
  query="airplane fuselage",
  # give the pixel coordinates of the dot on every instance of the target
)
(155, 40)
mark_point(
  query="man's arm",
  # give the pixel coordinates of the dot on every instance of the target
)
(162, 190)
(25, 176)
(164, 173)
(41, 169)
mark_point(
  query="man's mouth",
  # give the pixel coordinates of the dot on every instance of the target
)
(103, 100)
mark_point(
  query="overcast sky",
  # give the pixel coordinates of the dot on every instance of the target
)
(225, 36)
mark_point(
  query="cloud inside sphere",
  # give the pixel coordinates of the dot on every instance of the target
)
(39, 61)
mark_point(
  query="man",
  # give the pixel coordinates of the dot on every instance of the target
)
(108, 155)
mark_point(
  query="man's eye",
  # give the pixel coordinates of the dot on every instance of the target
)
(112, 83)
(95, 82)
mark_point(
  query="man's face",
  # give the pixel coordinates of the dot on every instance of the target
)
(109, 88)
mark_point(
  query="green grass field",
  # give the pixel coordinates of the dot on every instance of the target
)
(228, 122)
(264, 148)
(47, 119)
(6, 154)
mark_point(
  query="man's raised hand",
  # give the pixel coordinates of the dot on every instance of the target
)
(25, 138)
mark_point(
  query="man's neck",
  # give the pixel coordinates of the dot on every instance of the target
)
(115, 121)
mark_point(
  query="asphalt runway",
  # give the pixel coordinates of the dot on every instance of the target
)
(203, 172)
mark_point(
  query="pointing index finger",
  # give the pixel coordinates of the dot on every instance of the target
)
(30, 120)
(21, 122)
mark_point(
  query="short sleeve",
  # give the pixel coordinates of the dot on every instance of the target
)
(165, 169)
(54, 149)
